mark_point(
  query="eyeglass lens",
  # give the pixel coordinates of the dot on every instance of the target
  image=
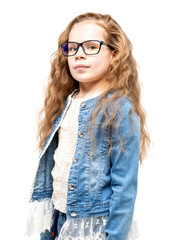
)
(89, 47)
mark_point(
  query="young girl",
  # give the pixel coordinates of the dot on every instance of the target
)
(92, 136)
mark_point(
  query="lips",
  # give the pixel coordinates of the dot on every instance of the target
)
(81, 67)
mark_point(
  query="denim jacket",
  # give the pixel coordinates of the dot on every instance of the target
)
(105, 184)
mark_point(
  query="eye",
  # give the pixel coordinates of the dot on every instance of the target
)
(91, 47)
(72, 47)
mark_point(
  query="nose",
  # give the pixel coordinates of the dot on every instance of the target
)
(80, 53)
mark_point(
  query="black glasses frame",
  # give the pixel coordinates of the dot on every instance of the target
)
(81, 44)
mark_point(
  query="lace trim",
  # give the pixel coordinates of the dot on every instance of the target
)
(84, 229)
(91, 229)
(40, 216)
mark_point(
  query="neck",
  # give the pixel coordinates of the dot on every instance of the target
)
(87, 90)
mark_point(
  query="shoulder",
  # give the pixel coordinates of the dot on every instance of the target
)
(126, 118)
(125, 105)
(121, 105)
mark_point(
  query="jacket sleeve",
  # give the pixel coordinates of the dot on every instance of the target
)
(124, 173)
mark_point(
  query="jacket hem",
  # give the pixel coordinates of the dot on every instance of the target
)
(85, 211)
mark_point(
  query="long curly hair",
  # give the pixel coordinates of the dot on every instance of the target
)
(122, 80)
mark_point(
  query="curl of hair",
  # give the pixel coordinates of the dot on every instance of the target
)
(122, 80)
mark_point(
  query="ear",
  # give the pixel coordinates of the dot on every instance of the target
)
(113, 55)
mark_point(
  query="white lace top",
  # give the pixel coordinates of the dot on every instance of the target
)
(64, 153)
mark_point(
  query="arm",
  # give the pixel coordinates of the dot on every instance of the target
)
(124, 174)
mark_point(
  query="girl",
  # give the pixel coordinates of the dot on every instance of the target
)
(92, 136)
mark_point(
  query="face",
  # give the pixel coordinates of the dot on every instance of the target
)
(89, 69)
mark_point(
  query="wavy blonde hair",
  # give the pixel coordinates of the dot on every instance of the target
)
(122, 79)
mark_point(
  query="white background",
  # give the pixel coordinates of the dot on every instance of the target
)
(29, 31)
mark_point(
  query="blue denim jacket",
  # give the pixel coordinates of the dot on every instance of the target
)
(104, 184)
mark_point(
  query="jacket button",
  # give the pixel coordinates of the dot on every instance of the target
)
(81, 134)
(73, 214)
(83, 104)
(71, 187)
(75, 160)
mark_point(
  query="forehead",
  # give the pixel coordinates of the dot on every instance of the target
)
(86, 31)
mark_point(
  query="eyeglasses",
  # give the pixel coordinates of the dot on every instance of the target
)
(90, 47)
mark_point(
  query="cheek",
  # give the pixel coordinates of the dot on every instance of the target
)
(70, 66)
(101, 65)
(69, 63)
